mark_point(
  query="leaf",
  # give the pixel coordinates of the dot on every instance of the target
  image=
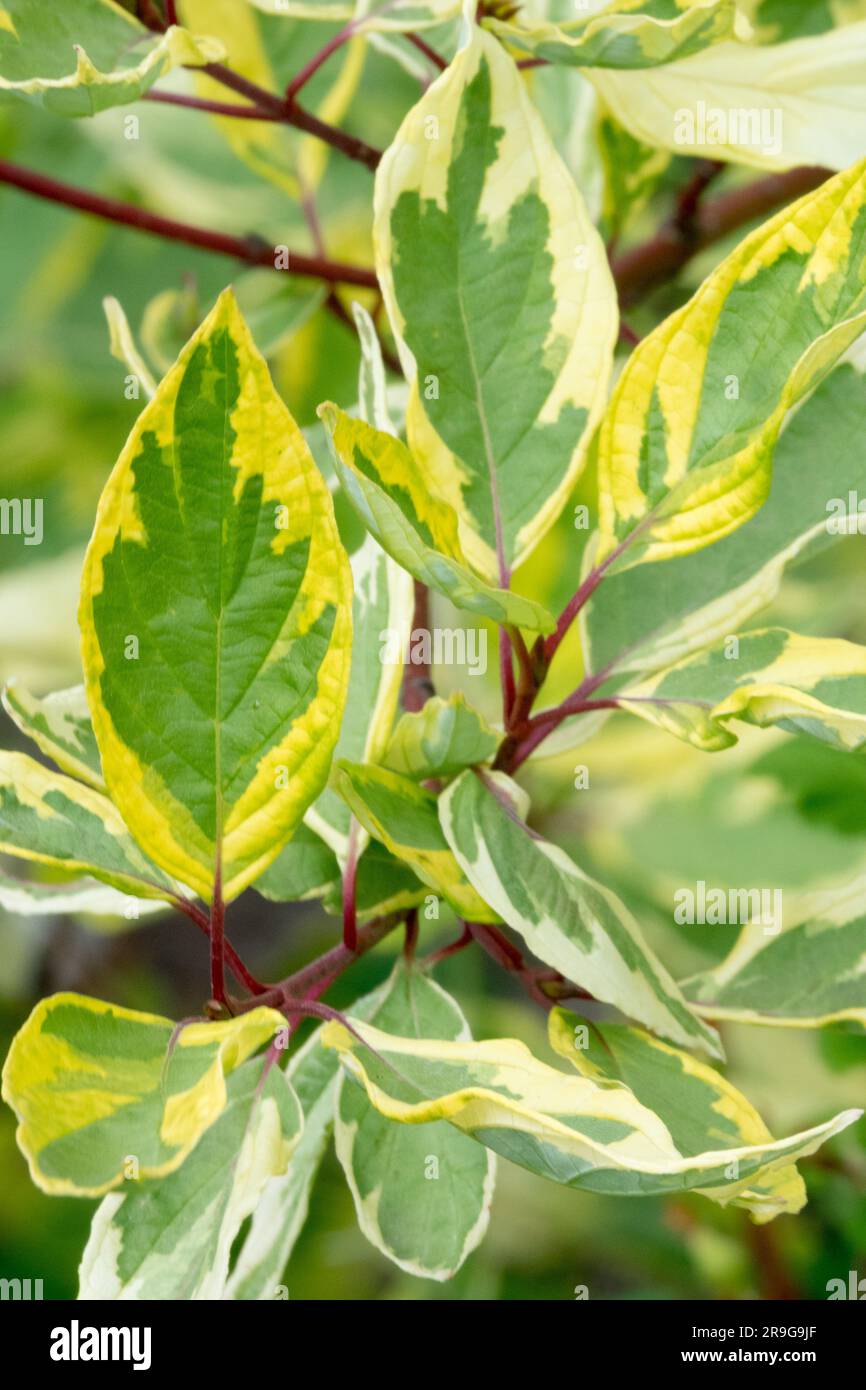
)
(501, 301)
(215, 617)
(372, 381)
(400, 15)
(402, 815)
(567, 920)
(778, 20)
(305, 868)
(382, 610)
(566, 1128)
(383, 884)
(699, 1107)
(281, 1212)
(32, 898)
(625, 35)
(422, 1196)
(632, 171)
(172, 1238)
(387, 488)
(652, 616)
(440, 740)
(60, 726)
(770, 107)
(686, 448)
(87, 55)
(54, 820)
(809, 974)
(122, 344)
(95, 1085)
(814, 685)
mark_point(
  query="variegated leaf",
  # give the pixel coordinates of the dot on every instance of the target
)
(54, 820)
(305, 868)
(104, 1093)
(686, 448)
(654, 615)
(388, 489)
(422, 1195)
(402, 816)
(501, 300)
(382, 611)
(700, 1108)
(215, 615)
(86, 55)
(282, 1210)
(814, 685)
(569, 921)
(122, 345)
(773, 22)
(60, 726)
(403, 16)
(570, 1129)
(32, 898)
(809, 974)
(771, 107)
(626, 34)
(171, 1237)
(440, 740)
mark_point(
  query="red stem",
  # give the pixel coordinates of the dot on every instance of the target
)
(251, 251)
(312, 67)
(217, 939)
(435, 58)
(233, 960)
(171, 12)
(350, 876)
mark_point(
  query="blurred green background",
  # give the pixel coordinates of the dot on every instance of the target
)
(774, 811)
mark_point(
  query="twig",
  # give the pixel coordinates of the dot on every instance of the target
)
(417, 678)
(659, 259)
(251, 250)
(312, 67)
(423, 47)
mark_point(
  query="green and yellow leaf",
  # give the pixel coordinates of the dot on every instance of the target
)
(388, 489)
(571, 1129)
(383, 884)
(814, 685)
(501, 300)
(569, 921)
(402, 16)
(215, 617)
(653, 616)
(171, 1237)
(60, 726)
(627, 33)
(440, 740)
(422, 1196)
(686, 447)
(809, 974)
(54, 820)
(304, 868)
(81, 57)
(700, 1108)
(280, 1214)
(402, 816)
(33, 898)
(103, 1093)
(383, 603)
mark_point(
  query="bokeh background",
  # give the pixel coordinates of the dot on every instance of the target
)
(775, 811)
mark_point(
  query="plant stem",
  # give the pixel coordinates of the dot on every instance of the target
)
(659, 259)
(423, 47)
(292, 114)
(171, 12)
(251, 250)
(312, 67)
(350, 877)
(233, 960)
(417, 677)
(217, 939)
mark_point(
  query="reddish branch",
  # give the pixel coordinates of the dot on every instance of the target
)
(250, 250)
(660, 258)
